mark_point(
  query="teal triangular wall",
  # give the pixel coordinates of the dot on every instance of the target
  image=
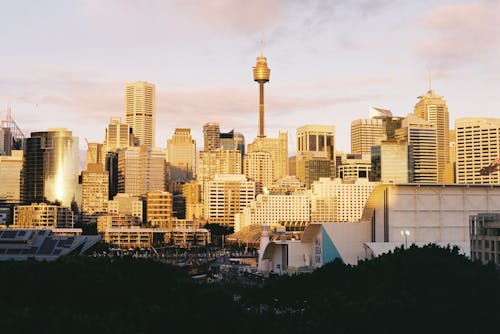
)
(329, 250)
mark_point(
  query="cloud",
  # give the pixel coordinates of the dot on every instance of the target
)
(460, 34)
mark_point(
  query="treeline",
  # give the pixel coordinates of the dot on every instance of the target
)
(419, 290)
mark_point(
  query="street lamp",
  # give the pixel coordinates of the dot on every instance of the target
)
(405, 233)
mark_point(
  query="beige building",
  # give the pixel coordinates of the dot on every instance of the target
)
(118, 135)
(289, 210)
(126, 204)
(141, 170)
(477, 145)
(42, 215)
(10, 177)
(116, 220)
(181, 156)
(226, 196)
(218, 161)
(159, 211)
(395, 162)
(339, 201)
(366, 133)
(211, 136)
(94, 190)
(432, 107)
(422, 138)
(194, 201)
(311, 166)
(258, 167)
(94, 154)
(278, 148)
(140, 111)
(354, 166)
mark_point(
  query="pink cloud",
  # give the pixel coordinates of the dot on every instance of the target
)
(461, 33)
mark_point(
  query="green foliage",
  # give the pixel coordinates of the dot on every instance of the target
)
(418, 290)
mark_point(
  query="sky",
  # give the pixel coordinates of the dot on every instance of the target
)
(65, 63)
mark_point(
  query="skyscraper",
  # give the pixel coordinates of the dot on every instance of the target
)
(258, 167)
(50, 167)
(94, 191)
(181, 156)
(141, 170)
(94, 154)
(118, 135)
(10, 176)
(278, 148)
(433, 109)
(140, 111)
(366, 133)
(477, 146)
(211, 136)
(422, 138)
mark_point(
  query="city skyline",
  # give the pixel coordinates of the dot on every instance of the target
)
(331, 61)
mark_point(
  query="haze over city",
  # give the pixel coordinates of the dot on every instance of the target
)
(330, 61)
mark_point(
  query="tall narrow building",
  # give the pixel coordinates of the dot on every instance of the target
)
(140, 110)
(211, 136)
(366, 133)
(118, 135)
(432, 107)
(181, 156)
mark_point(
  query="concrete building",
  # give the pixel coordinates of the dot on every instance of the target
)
(218, 161)
(226, 196)
(339, 201)
(159, 209)
(141, 170)
(95, 154)
(432, 107)
(181, 156)
(10, 177)
(194, 200)
(292, 210)
(421, 136)
(94, 191)
(278, 148)
(126, 204)
(211, 136)
(366, 133)
(140, 111)
(395, 162)
(42, 216)
(485, 237)
(118, 135)
(258, 167)
(50, 167)
(477, 145)
(354, 166)
(117, 221)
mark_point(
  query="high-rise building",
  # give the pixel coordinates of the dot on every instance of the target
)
(141, 170)
(261, 75)
(5, 141)
(211, 136)
(433, 109)
(94, 154)
(366, 133)
(226, 196)
(126, 204)
(51, 167)
(477, 146)
(118, 135)
(218, 161)
(94, 191)
(10, 176)
(194, 201)
(315, 153)
(258, 167)
(422, 138)
(278, 148)
(395, 163)
(159, 212)
(140, 111)
(181, 156)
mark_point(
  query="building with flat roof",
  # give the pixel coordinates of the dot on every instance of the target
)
(485, 237)
(140, 111)
(10, 176)
(42, 216)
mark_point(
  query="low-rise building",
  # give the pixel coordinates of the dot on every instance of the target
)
(485, 237)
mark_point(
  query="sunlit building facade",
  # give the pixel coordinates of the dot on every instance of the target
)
(159, 209)
(211, 136)
(140, 111)
(51, 167)
(94, 191)
(366, 133)
(278, 148)
(181, 156)
(43, 216)
(10, 176)
(218, 161)
(258, 167)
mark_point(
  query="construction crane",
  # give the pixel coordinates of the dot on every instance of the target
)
(492, 168)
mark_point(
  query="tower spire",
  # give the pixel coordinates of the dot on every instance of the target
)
(430, 79)
(261, 75)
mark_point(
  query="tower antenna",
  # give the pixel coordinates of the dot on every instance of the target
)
(430, 79)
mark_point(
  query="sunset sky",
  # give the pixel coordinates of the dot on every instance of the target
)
(65, 63)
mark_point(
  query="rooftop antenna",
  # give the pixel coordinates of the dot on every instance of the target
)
(430, 79)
